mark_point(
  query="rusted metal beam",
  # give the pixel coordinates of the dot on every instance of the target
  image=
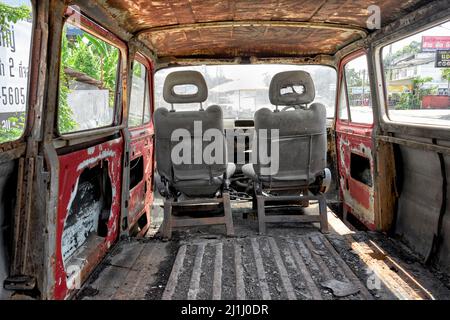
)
(257, 23)
(416, 144)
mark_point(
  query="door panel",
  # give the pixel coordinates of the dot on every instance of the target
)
(90, 159)
(355, 176)
(15, 95)
(141, 186)
(88, 213)
(354, 126)
(141, 148)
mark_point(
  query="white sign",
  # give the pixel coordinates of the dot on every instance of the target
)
(14, 59)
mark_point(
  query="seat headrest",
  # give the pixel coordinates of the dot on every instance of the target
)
(292, 88)
(180, 78)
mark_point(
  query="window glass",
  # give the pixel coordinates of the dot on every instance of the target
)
(358, 90)
(88, 77)
(343, 111)
(147, 114)
(15, 48)
(417, 77)
(137, 95)
(242, 89)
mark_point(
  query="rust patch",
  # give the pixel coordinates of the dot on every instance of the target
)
(231, 41)
(142, 15)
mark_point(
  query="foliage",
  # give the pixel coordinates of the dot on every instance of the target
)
(65, 114)
(91, 56)
(15, 131)
(413, 48)
(137, 69)
(446, 74)
(9, 14)
(84, 53)
(413, 100)
(353, 78)
(95, 58)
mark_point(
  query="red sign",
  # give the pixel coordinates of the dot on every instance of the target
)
(430, 43)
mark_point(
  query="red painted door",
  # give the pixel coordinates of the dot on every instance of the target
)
(141, 147)
(354, 126)
(90, 148)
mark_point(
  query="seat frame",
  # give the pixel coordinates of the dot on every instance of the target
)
(171, 221)
(170, 199)
(307, 190)
(263, 218)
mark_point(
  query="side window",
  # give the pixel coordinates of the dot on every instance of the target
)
(87, 84)
(343, 111)
(15, 45)
(139, 98)
(147, 114)
(358, 90)
(417, 77)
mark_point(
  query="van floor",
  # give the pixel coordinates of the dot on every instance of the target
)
(293, 261)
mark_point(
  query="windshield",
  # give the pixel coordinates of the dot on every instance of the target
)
(242, 89)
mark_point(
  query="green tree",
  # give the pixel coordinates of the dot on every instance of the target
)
(413, 100)
(412, 48)
(65, 114)
(446, 76)
(353, 78)
(10, 14)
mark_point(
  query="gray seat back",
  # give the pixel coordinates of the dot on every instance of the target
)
(302, 132)
(197, 177)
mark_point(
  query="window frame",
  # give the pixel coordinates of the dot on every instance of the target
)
(385, 122)
(335, 68)
(30, 94)
(343, 88)
(94, 29)
(139, 57)
(348, 58)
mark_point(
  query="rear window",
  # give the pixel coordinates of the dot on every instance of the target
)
(242, 89)
(417, 77)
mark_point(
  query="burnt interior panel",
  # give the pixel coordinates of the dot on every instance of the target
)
(333, 193)
(90, 209)
(136, 15)
(360, 169)
(420, 200)
(136, 171)
(229, 42)
(151, 19)
(443, 248)
(8, 188)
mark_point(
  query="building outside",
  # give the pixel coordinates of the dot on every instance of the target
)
(414, 70)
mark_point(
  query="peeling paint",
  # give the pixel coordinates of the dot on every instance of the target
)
(88, 162)
(91, 150)
(358, 198)
(69, 237)
(244, 40)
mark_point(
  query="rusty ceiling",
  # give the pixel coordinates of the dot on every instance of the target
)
(265, 28)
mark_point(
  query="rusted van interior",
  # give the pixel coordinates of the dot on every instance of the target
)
(82, 94)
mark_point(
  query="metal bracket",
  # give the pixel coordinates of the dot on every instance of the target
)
(23, 283)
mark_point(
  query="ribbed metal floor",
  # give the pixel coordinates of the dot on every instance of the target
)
(293, 267)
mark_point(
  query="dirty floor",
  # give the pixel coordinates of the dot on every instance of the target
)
(293, 261)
